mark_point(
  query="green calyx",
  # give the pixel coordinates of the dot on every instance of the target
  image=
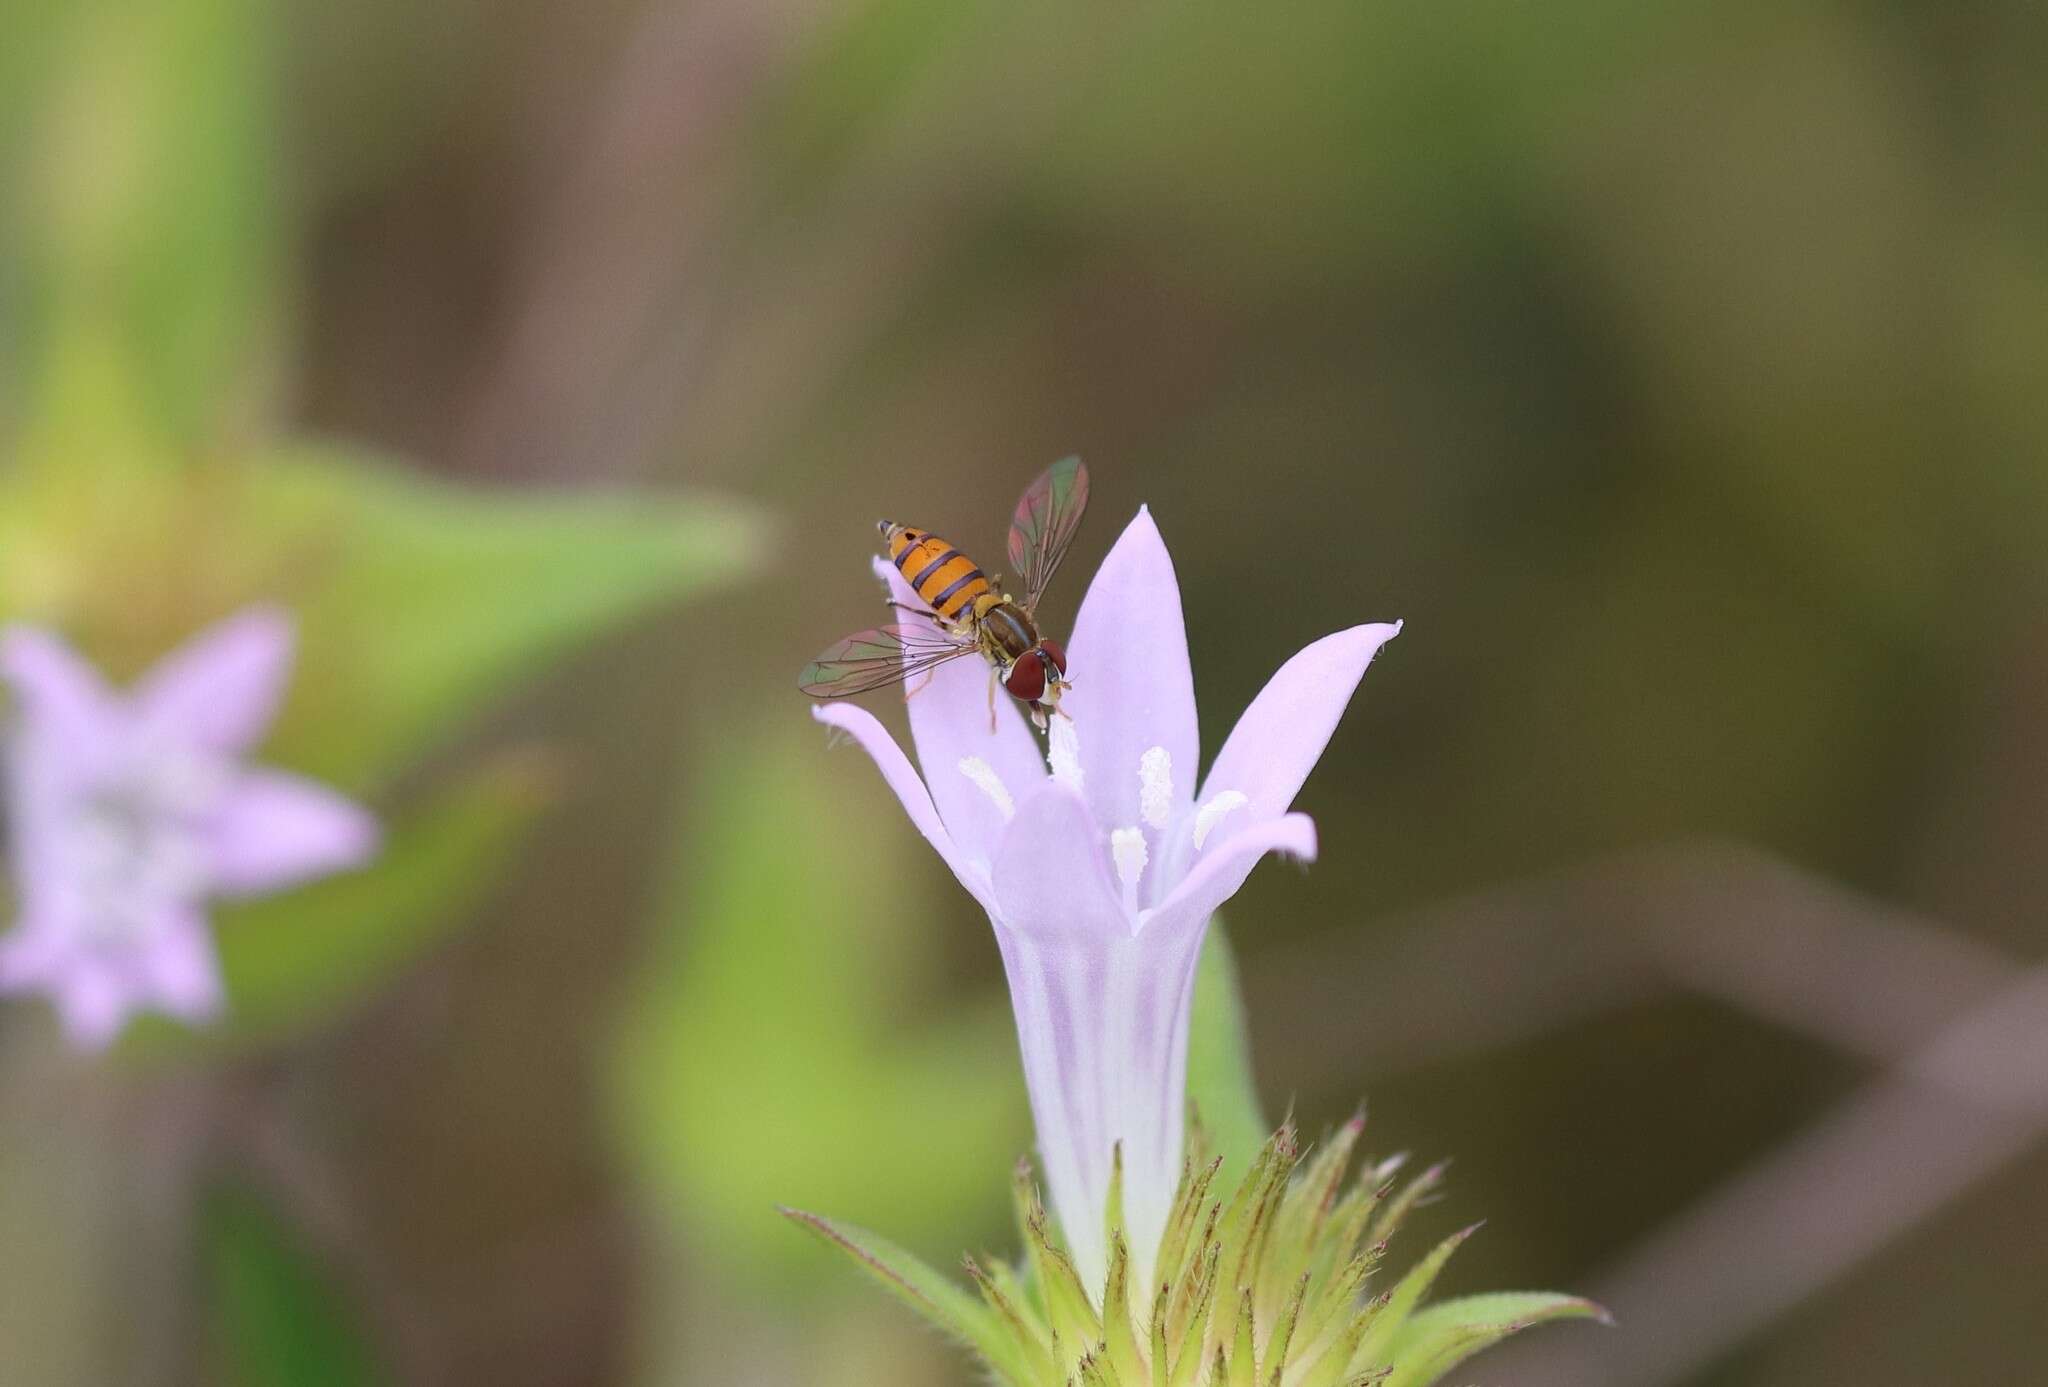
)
(1273, 1284)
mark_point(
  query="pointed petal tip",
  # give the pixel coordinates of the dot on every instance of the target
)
(92, 1009)
(1134, 688)
(1279, 738)
(269, 620)
(1373, 633)
(849, 718)
(1142, 530)
(1292, 835)
(870, 735)
(253, 643)
(276, 830)
(1302, 842)
(1222, 868)
(222, 688)
(43, 670)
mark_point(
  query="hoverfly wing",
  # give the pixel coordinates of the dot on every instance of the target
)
(878, 657)
(1047, 515)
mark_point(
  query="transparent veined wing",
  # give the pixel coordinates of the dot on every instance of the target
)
(1047, 515)
(878, 657)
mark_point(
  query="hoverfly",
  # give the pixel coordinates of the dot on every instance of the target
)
(966, 612)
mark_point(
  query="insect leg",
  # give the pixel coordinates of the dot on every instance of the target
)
(923, 612)
(991, 700)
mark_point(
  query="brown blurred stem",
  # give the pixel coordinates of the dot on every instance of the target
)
(1962, 1031)
(1957, 1109)
(1717, 919)
(304, 1189)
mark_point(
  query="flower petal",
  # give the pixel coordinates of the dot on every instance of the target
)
(29, 956)
(1221, 868)
(275, 830)
(1049, 874)
(220, 690)
(1278, 740)
(861, 725)
(949, 722)
(1102, 1025)
(181, 968)
(64, 703)
(93, 1001)
(1133, 688)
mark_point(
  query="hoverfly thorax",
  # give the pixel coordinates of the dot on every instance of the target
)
(963, 612)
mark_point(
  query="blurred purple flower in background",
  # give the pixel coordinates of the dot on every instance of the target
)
(1100, 864)
(127, 813)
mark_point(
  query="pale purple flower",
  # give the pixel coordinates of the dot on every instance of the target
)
(126, 813)
(1100, 862)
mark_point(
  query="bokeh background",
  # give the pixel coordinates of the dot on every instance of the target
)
(1678, 372)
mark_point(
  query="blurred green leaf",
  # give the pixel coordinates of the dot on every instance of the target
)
(292, 960)
(773, 1055)
(1440, 1337)
(1220, 1084)
(30, 26)
(418, 603)
(273, 1317)
(936, 1297)
(157, 219)
(421, 603)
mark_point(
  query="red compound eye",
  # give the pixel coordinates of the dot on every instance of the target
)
(1027, 677)
(1056, 656)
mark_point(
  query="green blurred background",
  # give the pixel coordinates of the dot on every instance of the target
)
(1678, 372)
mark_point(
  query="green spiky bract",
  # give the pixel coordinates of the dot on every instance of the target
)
(1274, 1284)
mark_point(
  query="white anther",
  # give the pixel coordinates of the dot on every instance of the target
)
(1155, 786)
(1210, 814)
(1063, 753)
(1127, 850)
(984, 775)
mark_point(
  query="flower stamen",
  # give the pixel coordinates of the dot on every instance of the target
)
(1155, 786)
(989, 783)
(1127, 850)
(1210, 814)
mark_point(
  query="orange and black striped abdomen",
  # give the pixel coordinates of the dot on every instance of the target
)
(940, 574)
